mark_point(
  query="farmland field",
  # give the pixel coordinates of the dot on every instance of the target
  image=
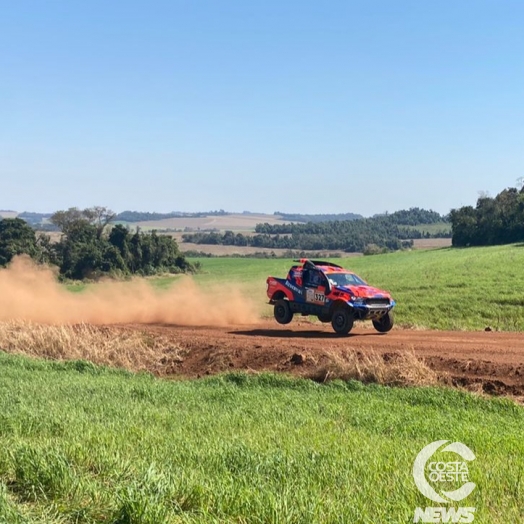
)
(87, 444)
(233, 222)
(245, 224)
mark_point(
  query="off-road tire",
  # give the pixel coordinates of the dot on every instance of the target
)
(342, 321)
(385, 323)
(282, 312)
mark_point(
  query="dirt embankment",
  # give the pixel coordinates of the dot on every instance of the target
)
(490, 362)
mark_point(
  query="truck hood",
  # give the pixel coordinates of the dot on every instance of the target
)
(364, 291)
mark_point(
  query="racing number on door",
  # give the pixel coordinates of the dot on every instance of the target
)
(315, 296)
(320, 297)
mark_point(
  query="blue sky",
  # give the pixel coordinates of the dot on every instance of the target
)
(297, 106)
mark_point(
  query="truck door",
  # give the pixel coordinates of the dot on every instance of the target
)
(315, 287)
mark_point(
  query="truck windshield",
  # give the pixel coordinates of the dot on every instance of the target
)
(345, 279)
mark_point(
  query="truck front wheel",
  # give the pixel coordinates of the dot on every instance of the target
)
(342, 321)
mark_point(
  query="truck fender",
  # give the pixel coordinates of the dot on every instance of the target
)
(281, 294)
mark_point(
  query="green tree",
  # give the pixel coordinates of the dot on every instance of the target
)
(87, 249)
(97, 216)
(498, 220)
(17, 238)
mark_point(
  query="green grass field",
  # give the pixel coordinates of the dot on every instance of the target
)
(439, 289)
(81, 444)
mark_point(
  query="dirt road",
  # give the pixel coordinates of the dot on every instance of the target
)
(489, 361)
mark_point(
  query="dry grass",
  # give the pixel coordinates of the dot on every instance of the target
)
(107, 346)
(393, 369)
(140, 351)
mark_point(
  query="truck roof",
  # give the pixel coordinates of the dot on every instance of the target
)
(325, 267)
(317, 263)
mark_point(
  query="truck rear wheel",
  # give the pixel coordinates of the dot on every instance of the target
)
(342, 321)
(385, 323)
(282, 312)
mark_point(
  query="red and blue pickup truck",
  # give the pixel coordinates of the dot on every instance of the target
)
(331, 293)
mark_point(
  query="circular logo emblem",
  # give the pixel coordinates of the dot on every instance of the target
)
(456, 471)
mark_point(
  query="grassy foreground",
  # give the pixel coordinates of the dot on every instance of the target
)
(439, 289)
(85, 444)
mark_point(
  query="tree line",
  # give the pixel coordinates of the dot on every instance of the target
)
(498, 220)
(409, 217)
(90, 247)
(415, 216)
(352, 236)
(346, 239)
(349, 242)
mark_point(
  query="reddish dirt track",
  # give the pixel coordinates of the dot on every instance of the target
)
(492, 362)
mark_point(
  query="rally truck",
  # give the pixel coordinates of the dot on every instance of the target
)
(331, 293)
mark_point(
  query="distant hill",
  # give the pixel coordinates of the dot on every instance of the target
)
(389, 231)
(8, 213)
(415, 223)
